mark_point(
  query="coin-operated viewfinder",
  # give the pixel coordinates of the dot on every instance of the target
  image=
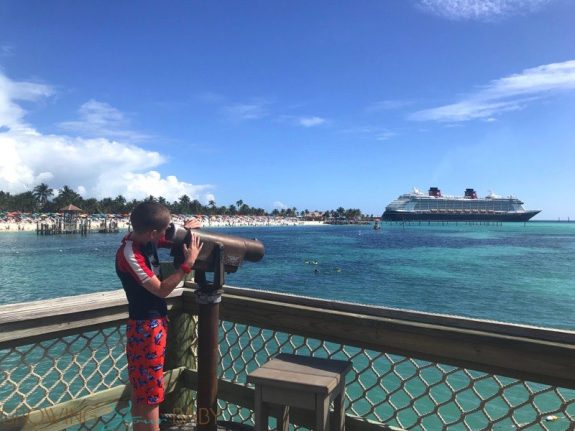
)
(220, 254)
(234, 249)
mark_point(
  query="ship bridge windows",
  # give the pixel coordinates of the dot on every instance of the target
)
(517, 207)
(397, 204)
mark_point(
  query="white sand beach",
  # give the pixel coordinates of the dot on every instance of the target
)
(26, 224)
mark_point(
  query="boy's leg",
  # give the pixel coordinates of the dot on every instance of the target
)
(145, 352)
(145, 417)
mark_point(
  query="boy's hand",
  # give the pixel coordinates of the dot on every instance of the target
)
(191, 253)
(193, 223)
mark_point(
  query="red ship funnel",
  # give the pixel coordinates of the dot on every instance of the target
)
(434, 191)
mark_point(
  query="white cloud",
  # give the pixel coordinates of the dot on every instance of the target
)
(299, 121)
(102, 120)
(11, 114)
(370, 132)
(388, 105)
(258, 109)
(248, 111)
(6, 50)
(506, 94)
(152, 183)
(385, 135)
(481, 10)
(280, 205)
(210, 97)
(95, 166)
(311, 121)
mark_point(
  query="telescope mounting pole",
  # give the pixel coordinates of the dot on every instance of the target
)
(209, 296)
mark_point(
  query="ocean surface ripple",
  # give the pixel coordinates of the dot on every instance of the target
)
(512, 272)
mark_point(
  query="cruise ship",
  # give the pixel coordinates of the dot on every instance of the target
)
(417, 206)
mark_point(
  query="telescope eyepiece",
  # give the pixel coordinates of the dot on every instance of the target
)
(177, 233)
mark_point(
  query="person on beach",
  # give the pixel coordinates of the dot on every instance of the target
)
(138, 268)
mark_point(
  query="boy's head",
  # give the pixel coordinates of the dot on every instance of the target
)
(149, 216)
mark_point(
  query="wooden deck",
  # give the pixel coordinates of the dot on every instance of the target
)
(222, 426)
(529, 354)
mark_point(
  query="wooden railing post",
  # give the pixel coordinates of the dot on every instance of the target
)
(181, 351)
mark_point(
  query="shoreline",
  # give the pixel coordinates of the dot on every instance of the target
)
(30, 225)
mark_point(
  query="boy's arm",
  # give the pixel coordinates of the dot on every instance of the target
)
(165, 287)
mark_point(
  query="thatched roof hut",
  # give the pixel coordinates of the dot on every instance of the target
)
(70, 209)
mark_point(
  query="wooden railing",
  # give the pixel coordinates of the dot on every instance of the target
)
(62, 363)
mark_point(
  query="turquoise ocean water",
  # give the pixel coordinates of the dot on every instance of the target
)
(512, 272)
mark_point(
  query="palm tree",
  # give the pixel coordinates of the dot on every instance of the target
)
(196, 207)
(42, 192)
(68, 196)
(244, 209)
(119, 204)
(212, 205)
(184, 203)
(91, 205)
(5, 199)
(25, 202)
(106, 205)
(130, 206)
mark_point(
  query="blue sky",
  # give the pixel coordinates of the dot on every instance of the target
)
(312, 105)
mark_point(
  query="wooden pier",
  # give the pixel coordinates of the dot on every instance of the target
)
(61, 228)
(70, 222)
(63, 363)
(108, 226)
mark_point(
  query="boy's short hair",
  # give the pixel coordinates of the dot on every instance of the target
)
(149, 216)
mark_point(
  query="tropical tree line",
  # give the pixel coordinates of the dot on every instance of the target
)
(44, 199)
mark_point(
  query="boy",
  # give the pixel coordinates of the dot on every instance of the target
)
(138, 268)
